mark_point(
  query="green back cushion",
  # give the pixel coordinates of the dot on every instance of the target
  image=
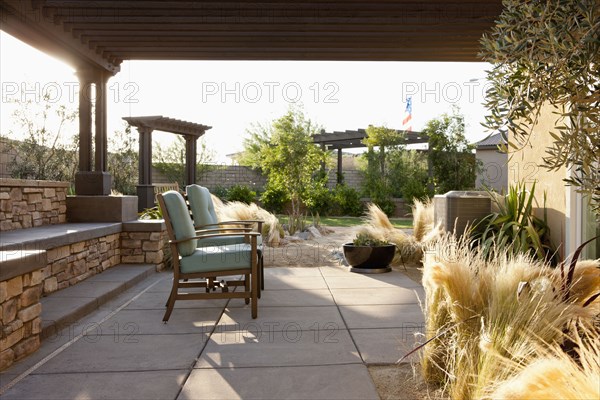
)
(201, 205)
(181, 221)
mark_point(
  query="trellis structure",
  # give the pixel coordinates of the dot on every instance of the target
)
(145, 126)
(354, 139)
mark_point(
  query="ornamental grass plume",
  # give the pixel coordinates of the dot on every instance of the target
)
(422, 218)
(554, 374)
(479, 309)
(408, 247)
(235, 210)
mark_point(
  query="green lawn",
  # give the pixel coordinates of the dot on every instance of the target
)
(402, 223)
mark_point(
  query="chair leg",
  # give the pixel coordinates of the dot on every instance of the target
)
(262, 272)
(255, 292)
(259, 275)
(247, 287)
(171, 302)
(172, 294)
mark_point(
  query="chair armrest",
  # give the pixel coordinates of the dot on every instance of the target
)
(249, 234)
(224, 230)
(226, 223)
(238, 222)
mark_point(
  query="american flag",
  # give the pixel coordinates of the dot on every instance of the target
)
(407, 119)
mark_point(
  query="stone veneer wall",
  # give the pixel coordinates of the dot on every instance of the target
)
(71, 264)
(27, 203)
(66, 265)
(144, 241)
(20, 315)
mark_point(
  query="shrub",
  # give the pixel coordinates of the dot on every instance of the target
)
(346, 201)
(274, 199)
(220, 191)
(319, 199)
(384, 202)
(241, 193)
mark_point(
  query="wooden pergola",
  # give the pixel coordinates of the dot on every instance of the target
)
(95, 37)
(354, 139)
(145, 126)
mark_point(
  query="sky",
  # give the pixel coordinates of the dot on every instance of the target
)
(231, 96)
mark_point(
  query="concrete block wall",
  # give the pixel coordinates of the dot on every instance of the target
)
(229, 175)
(352, 178)
(27, 203)
(20, 313)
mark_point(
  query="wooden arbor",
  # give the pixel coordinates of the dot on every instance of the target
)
(353, 139)
(145, 126)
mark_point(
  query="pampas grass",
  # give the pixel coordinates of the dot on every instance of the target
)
(378, 226)
(554, 374)
(502, 307)
(422, 218)
(409, 248)
(236, 210)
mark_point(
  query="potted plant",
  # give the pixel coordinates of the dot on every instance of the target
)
(369, 255)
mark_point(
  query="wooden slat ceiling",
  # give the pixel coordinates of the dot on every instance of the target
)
(403, 30)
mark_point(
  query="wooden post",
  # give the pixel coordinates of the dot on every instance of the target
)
(340, 176)
(190, 159)
(145, 189)
(101, 139)
(85, 119)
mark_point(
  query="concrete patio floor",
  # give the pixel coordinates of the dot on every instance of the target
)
(316, 331)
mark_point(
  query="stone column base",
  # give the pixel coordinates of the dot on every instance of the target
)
(92, 183)
(145, 197)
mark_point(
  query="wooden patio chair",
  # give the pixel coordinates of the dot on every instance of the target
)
(200, 267)
(205, 217)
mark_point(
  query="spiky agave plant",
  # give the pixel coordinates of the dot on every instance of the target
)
(514, 228)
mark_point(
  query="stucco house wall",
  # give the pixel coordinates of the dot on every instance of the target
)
(526, 165)
(494, 171)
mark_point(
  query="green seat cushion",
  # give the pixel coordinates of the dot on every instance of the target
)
(217, 258)
(181, 221)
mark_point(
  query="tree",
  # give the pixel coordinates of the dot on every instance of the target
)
(451, 157)
(409, 174)
(378, 182)
(43, 154)
(382, 137)
(259, 137)
(170, 161)
(286, 153)
(123, 161)
(548, 53)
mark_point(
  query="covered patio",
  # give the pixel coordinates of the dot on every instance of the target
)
(319, 328)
